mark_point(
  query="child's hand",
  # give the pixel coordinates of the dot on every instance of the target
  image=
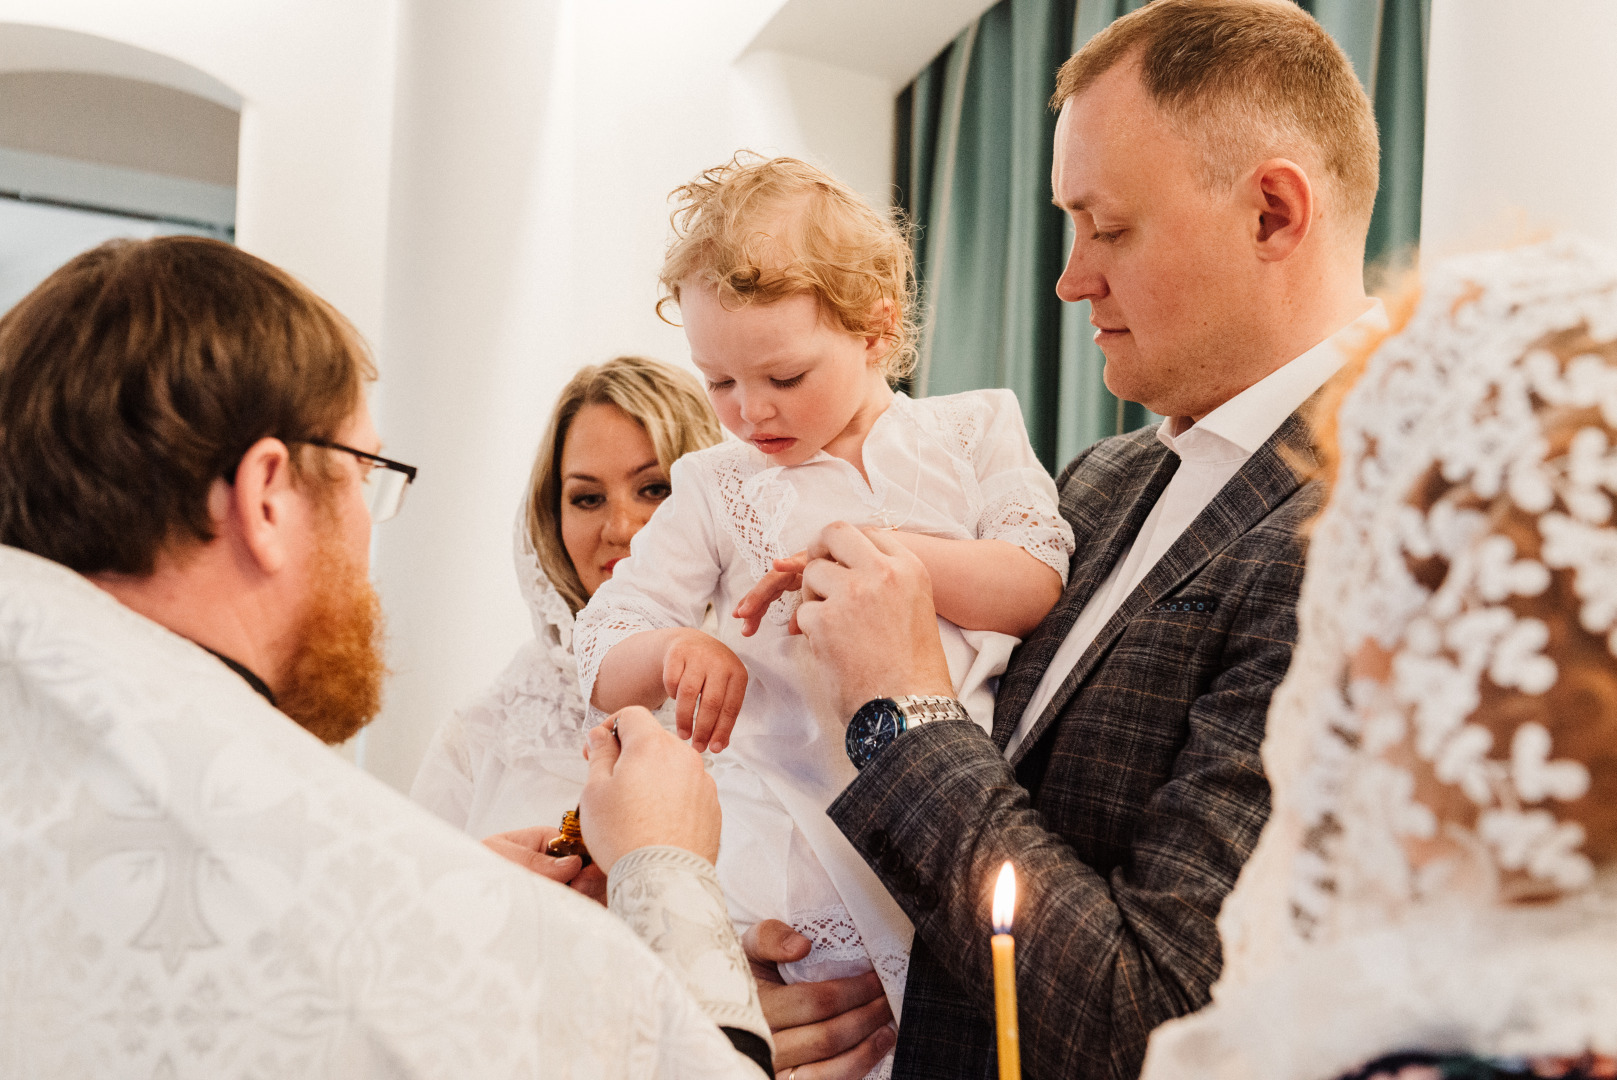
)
(699, 666)
(787, 576)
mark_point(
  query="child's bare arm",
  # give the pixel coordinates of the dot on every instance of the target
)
(976, 584)
(986, 584)
(687, 665)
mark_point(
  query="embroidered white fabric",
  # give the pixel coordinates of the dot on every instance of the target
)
(958, 467)
(515, 756)
(191, 885)
(1423, 784)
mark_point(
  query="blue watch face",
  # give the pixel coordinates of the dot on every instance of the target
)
(876, 724)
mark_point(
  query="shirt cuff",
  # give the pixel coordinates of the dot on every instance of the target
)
(671, 898)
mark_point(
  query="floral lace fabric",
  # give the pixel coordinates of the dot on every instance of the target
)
(1420, 782)
(515, 754)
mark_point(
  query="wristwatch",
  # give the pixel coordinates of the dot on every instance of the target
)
(879, 722)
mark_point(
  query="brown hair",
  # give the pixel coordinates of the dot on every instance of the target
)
(666, 402)
(138, 374)
(1245, 80)
(760, 230)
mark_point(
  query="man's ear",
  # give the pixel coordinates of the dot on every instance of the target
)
(1283, 201)
(259, 509)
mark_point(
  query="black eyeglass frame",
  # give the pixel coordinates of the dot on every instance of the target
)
(409, 471)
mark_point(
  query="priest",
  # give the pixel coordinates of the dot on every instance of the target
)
(191, 883)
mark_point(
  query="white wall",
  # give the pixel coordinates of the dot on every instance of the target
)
(314, 80)
(1521, 122)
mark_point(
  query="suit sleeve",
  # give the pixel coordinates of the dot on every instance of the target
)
(1101, 959)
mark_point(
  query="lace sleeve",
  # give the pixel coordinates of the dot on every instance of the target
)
(1020, 504)
(672, 900)
(668, 579)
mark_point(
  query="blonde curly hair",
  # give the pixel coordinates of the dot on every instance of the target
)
(762, 229)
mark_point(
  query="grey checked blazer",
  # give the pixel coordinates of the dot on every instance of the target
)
(1131, 805)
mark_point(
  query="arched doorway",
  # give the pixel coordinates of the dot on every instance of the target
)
(101, 139)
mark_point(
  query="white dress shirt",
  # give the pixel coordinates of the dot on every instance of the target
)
(1211, 452)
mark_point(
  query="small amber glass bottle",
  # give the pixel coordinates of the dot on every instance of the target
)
(571, 840)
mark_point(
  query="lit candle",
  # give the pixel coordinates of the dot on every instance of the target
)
(1010, 1049)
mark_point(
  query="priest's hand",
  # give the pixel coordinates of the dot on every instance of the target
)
(841, 1027)
(868, 615)
(646, 788)
(526, 848)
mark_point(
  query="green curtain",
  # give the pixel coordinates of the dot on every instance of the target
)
(974, 139)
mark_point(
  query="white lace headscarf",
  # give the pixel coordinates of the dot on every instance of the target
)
(1445, 744)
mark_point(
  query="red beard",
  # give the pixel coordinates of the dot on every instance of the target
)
(333, 687)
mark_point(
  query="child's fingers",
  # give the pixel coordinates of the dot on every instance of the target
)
(713, 690)
(792, 564)
(685, 701)
(729, 709)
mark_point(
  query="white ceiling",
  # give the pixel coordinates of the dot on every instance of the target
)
(891, 39)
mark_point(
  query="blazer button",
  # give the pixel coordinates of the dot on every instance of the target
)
(906, 880)
(926, 898)
(891, 861)
(877, 844)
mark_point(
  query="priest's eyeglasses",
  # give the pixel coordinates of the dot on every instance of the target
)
(385, 480)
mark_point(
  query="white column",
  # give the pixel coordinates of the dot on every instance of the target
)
(1521, 122)
(468, 372)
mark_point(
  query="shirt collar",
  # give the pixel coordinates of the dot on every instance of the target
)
(247, 675)
(1243, 423)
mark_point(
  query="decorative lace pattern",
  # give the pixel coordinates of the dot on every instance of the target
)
(670, 897)
(1018, 518)
(1420, 782)
(834, 942)
(757, 503)
(538, 707)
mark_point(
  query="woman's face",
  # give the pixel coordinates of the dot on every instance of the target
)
(611, 482)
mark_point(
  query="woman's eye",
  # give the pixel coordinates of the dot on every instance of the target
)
(787, 384)
(1107, 237)
(586, 501)
(656, 492)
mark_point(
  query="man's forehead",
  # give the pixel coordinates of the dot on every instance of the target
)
(1110, 138)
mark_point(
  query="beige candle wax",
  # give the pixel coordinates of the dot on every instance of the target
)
(1010, 1049)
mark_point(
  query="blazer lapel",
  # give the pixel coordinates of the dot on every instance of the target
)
(1117, 523)
(1268, 478)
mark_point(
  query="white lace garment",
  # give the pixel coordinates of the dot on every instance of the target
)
(193, 886)
(1424, 747)
(515, 756)
(958, 467)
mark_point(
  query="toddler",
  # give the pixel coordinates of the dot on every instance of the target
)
(796, 299)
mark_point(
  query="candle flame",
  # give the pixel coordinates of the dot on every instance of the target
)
(1004, 899)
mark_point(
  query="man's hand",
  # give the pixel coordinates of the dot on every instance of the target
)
(645, 787)
(526, 848)
(868, 615)
(700, 669)
(833, 1030)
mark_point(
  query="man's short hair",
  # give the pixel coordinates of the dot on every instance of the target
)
(138, 374)
(1246, 80)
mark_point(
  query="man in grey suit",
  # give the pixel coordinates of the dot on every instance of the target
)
(1218, 160)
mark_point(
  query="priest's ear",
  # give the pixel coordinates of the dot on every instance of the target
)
(1281, 200)
(256, 510)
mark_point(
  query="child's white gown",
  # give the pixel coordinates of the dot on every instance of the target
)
(958, 467)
